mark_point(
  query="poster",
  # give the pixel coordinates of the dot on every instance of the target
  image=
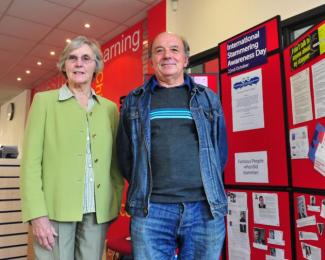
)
(299, 145)
(318, 76)
(247, 101)
(301, 97)
(237, 226)
(251, 167)
(266, 209)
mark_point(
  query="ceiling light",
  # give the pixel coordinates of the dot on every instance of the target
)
(68, 40)
(39, 63)
(19, 79)
(87, 25)
(27, 71)
(52, 53)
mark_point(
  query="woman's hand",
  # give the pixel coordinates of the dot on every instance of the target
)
(44, 232)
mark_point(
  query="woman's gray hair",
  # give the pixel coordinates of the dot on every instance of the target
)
(77, 43)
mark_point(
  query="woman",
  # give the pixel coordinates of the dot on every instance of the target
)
(71, 187)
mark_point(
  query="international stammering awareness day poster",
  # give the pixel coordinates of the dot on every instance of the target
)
(247, 51)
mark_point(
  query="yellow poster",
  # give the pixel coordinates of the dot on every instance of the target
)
(321, 38)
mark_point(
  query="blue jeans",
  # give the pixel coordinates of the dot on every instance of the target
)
(189, 227)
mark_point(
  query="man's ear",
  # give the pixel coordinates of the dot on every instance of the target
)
(186, 62)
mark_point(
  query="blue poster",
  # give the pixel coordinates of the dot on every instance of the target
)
(247, 51)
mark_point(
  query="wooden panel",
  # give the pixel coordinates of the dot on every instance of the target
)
(13, 228)
(9, 182)
(10, 205)
(13, 240)
(10, 194)
(9, 171)
(10, 217)
(30, 249)
(13, 252)
(6, 162)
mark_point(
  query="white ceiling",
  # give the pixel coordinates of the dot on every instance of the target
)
(30, 29)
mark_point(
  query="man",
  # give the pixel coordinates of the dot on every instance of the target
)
(261, 203)
(259, 236)
(172, 150)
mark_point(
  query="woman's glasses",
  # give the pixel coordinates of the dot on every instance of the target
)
(85, 59)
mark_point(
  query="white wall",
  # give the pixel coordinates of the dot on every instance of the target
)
(12, 132)
(205, 23)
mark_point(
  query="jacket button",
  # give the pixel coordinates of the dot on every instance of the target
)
(145, 211)
(96, 160)
(98, 185)
(91, 113)
(94, 135)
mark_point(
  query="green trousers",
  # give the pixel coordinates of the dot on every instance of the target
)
(75, 241)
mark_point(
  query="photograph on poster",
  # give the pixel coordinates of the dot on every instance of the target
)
(276, 237)
(275, 254)
(261, 203)
(311, 252)
(301, 97)
(242, 216)
(302, 212)
(312, 200)
(306, 251)
(266, 208)
(322, 211)
(299, 144)
(242, 228)
(318, 77)
(231, 197)
(259, 240)
(312, 205)
(272, 251)
(259, 236)
(247, 101)
(320, 228)
(271, 234)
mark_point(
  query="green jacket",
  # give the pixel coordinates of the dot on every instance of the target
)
(53, 163)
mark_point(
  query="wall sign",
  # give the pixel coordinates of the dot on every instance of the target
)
(247, 51)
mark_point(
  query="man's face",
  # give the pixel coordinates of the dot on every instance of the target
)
(168, 57)
(261, 200)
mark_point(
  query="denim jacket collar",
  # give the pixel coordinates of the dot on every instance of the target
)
(149, 84)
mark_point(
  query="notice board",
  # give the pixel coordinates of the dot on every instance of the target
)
(258, 225)
(304, 62)
(252, 99)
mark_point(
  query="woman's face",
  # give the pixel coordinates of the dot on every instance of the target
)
(80, 66)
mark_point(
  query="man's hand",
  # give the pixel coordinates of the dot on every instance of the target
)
(44, 232)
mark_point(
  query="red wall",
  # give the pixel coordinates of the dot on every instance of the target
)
(123, 68)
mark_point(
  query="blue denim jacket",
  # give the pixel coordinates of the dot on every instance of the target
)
(134, 144)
